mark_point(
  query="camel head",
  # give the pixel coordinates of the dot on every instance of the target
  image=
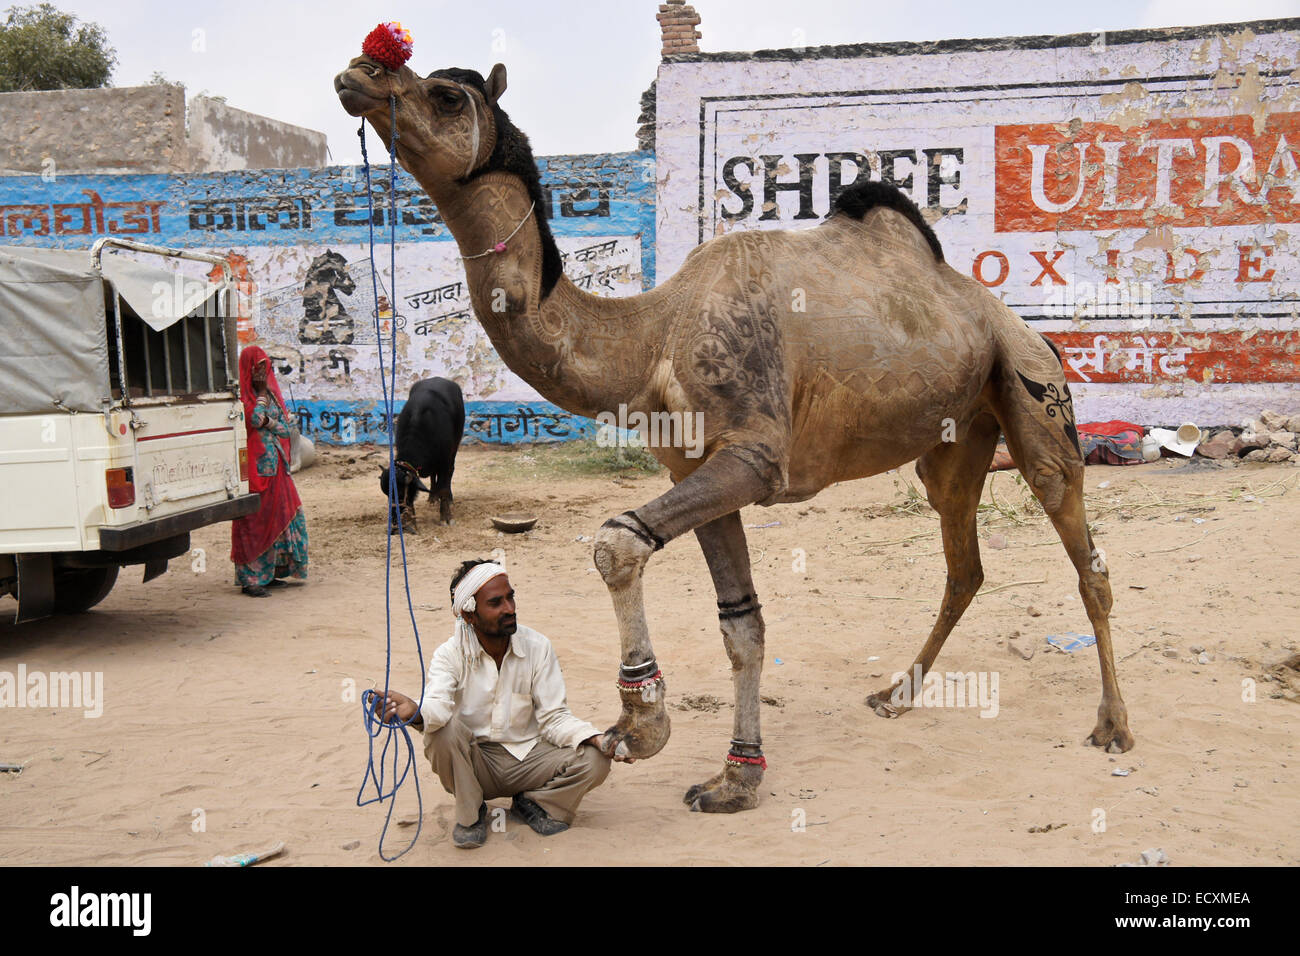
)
(450, 129)
(448, 123)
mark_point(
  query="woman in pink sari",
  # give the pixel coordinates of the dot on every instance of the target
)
(271, 544)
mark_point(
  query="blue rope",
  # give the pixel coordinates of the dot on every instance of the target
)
(370, 717)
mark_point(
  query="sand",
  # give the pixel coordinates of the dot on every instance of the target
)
(230, 724)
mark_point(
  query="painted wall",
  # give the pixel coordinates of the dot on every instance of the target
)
(138, 129)
(222, 137)
(144, 129)
(1134, 195)
(298, 242)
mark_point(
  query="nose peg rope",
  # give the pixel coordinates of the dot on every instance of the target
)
(373, 721)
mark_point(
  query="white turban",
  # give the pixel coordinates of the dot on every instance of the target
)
(463, 601)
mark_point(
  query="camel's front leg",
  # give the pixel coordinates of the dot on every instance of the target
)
(623, 545)
(741, 618)
(726, 482)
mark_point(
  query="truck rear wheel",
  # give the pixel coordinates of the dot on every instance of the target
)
(76, 591)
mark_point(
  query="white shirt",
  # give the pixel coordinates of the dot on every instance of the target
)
(516, 706)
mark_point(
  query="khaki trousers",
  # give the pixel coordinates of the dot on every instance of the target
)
(554, 778)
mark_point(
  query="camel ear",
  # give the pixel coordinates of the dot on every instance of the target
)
(496, 83)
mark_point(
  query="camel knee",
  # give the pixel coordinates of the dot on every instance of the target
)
(622, 549)
(743, 633)
(1094, 588)
(1053, 481)
(968, 584)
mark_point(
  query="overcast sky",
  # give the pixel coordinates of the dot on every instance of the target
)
(576, 70)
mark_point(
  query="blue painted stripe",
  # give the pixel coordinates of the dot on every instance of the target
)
(507, 423)
(588, 195)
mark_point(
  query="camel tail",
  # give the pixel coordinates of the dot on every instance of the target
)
(861, 198)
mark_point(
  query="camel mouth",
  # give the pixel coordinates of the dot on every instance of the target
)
(356, 102)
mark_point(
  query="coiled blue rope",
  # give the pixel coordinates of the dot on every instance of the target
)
(375, 725)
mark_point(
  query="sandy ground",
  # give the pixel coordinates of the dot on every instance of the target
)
(228, 725)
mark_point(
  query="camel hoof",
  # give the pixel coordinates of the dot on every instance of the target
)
(1116, 745)
(1112, 733)
(642, 729)
(883, 705)
(733, 790)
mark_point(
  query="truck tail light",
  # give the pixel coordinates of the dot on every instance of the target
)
(121, 487)
(243, 463)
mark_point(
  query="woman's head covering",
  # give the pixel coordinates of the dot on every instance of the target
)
(249, 359)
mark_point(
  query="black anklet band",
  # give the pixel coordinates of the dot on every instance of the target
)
(746, 605)
(638, 528)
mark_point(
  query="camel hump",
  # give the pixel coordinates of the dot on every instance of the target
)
(861, 198)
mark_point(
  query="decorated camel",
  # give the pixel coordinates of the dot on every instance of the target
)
(895, 356)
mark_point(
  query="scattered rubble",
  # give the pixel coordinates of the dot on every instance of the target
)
(1270, 437)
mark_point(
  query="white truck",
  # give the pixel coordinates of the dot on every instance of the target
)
(121, 427)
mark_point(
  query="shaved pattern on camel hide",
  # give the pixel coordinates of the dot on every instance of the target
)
(813, 357)
(1056, 402)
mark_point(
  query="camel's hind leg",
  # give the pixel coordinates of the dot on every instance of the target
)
(953, 474)
(1053, 468)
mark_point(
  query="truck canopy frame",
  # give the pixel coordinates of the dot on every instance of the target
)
(88, 330)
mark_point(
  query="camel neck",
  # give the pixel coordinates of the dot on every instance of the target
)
(585, 353)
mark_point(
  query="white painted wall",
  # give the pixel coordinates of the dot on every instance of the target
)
(1205, 336)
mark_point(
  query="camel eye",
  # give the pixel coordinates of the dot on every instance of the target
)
(449, 99)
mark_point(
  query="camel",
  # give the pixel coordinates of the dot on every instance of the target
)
(816, 356)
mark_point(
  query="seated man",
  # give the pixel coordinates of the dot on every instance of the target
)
(494, 715)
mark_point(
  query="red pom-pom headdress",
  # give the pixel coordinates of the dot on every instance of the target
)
(389, 44)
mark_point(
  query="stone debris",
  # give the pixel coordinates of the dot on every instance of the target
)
(1272, 420)
(1021, 647)
(997, 541)
(1153, 857)
(1219, 446)
(1270, 437)
(1203, 658)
